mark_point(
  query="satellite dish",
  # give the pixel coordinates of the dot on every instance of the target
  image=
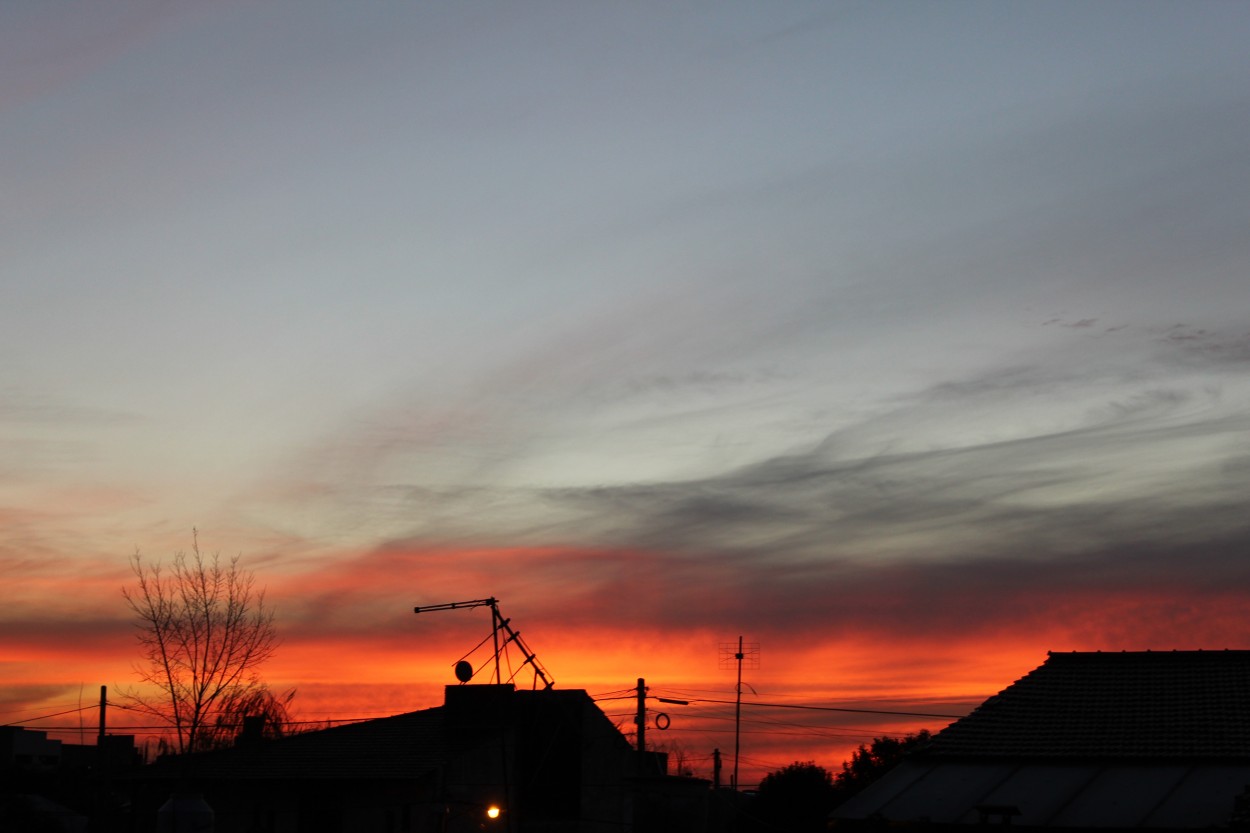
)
(464, 671)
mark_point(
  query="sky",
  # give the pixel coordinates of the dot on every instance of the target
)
(906, 340)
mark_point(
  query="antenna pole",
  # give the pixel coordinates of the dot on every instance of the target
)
(738, 713)
(498, 623)
(495, 617)
(750, 652)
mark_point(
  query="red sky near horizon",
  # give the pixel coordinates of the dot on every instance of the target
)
(353, 648)
(909, 341)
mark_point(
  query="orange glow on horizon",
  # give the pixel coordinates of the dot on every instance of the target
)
(352, 647)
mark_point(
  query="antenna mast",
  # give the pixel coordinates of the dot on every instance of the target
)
(728, 658)
(498, 624)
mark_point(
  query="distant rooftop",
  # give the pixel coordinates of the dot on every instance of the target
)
(1086, 741)
(401, 746)
(1132, 704)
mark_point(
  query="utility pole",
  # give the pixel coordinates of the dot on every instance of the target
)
(101, 757)
(641, 717)
(716, 769)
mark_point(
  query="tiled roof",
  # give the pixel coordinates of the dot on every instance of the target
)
(1145, 705)
(1077, 795)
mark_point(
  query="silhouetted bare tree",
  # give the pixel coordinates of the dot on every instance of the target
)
(204, 630)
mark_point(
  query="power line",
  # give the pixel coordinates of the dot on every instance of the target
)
(35, 709)
(695, 715)
(46, 716)
(829, 708)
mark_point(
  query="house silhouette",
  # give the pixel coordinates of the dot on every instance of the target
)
(1086, 741)
(546, 760)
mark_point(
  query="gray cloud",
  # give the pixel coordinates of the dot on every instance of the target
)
(965, 497)
(1109, 522)
(1131, 593)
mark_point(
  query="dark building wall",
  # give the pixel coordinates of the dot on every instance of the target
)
(550, 759)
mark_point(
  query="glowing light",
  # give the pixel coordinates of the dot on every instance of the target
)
(492, 812)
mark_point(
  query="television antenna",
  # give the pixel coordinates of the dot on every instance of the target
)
(465, 670)
(729, 658)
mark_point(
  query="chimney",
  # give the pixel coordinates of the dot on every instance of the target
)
(483, 707)
(253, 731)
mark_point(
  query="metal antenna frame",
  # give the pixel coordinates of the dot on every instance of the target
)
(727, 656)
(498, 623)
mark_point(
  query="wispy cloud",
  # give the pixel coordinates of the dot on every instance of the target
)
(1097, 596)
(910, 346)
